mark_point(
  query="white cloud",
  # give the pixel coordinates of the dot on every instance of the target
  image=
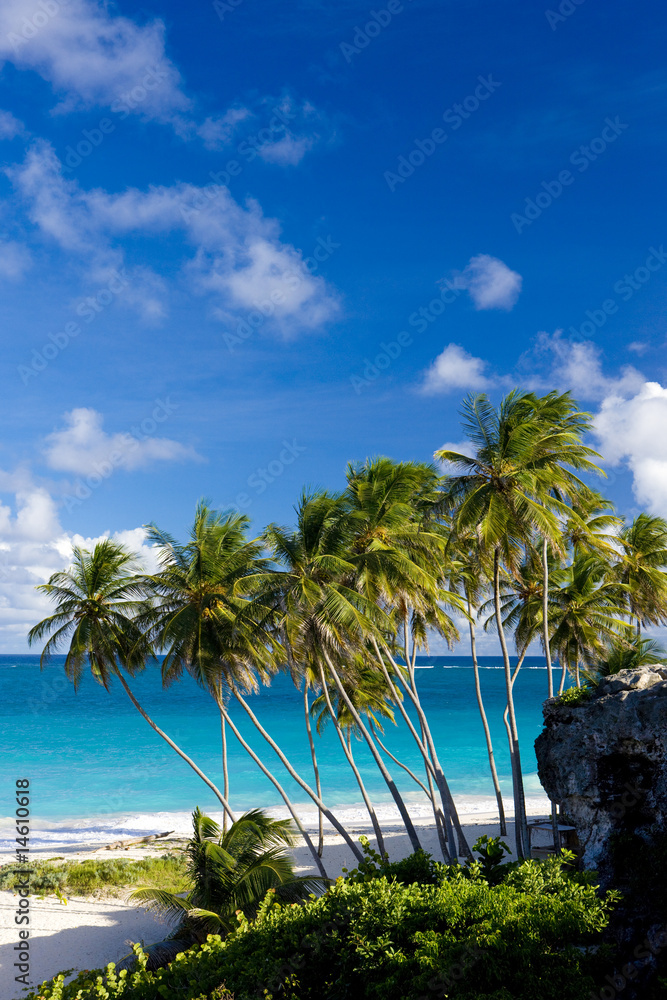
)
(632, 430)
(15, 260)
(238, 254)
(288, 151)
(283, 129)
(489, 282)
(218, 130)
(92, 56)
(576, 366)
(455, 369)
(10, 126)
(33, 545)
(83, 447)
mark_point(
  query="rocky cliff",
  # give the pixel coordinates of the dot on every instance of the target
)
(605, 761)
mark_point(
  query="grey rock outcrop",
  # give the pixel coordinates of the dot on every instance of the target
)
(605, 762)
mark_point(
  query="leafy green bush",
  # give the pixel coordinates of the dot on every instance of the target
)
(574, 696)
(418, 867)
(380, 939)
(83, 878)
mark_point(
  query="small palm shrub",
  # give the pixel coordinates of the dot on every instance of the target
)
(230, 873)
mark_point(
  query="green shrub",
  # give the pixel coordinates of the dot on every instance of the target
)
(83, 878)
(379, 939)
(574, 696)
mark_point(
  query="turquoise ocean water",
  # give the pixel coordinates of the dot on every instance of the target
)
(93, 762)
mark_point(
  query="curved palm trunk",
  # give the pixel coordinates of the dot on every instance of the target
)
(577, 678)
(347, 750)
(442, 822)
(216, 791)
(432, 766)
(297, 777)
(407, 770)
(391, 785)
(485, 724)
(428, 752)
(520, 824)
(545, 617)
(563, 675)
(225, 769)
(517, 789)
(316, 770)
(281, 791)
(452, 816)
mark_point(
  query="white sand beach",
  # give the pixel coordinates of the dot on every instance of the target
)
(88, 933)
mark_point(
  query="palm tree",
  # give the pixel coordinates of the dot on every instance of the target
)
(396, 550)
(230, 871)
(586, 613)
(502, 492)
(324, 617)
(642, 569)
(625, 652)
(98, 601)
(560, 446)
(203, 625)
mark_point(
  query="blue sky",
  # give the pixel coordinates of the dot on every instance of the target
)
(244, 244)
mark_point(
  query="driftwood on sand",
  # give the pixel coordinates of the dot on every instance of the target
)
(125, 844)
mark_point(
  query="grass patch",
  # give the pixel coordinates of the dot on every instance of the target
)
(88, 878)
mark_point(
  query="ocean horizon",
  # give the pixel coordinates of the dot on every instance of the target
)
(98, 770)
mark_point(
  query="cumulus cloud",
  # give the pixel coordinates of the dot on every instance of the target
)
(238, 255)
(15, 260)
(92, 56)
(454, 369)
(632, 430)
(489, 282)
(576, 366)
(10, 126)
(84, 447)
(33, 545)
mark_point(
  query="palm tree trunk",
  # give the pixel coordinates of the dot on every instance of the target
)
(225, 770)
(318, 785)
(216, 791)
(405, 815)
(577, 678)
(428, 752)
(449, 853)
(520, 823)
(442, 822)
(297, 777)
(407, 770)
(485, 724)
(517, 787)
(452, 814)
(347, 750)
(563, 675)
(545, 617)
(279, 788)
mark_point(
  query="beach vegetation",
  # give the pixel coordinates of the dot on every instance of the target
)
(536, 933)
(230, 873)
(96, 876)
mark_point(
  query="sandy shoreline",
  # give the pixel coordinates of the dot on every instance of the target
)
(87, 933)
